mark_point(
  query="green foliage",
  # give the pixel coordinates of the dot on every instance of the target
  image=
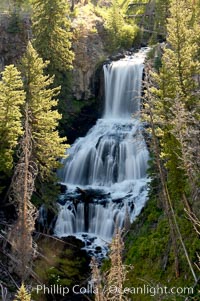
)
(173, 83)
(62, 264)
(161, 14)
(47, 192)
(18, 3)
(51, 30)
(113, 24)
(176, 81)
(52, 40)
(149, 250)
(47, 145)
(67, 271)
(120, 33)
(15, 24)
(22, 294)
(128, 34)
(11, 5)
(136, 7)
(155, 56)
(181, 56)
(12, 98)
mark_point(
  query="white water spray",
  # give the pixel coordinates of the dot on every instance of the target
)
(111, 158)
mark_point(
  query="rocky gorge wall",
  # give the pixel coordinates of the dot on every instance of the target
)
(88, 46)
(13, 39)
(89, 49)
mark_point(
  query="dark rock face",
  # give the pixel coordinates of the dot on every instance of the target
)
(13, 39)
(84, 121)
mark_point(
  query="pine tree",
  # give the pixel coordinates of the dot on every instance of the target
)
(172, 101)
(22, 294)
(167, 195)
(113, 25)
(47, 145)
(176, 80)
(180, 59)
(12, 98)
(52, 36)
(161, 14)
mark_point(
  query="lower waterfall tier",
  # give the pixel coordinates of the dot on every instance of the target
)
(111, 161)
(97, 211)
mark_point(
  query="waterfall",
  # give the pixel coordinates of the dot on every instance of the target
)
(111, 160)
(123, 86)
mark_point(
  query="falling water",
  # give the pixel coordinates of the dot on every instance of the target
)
(110, 161)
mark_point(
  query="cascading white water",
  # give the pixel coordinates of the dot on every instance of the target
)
(111, 158)
(123, 81)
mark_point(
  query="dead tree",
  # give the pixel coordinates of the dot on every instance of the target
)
(116, 275)
(97, 281)
(109, 286)
(22, 187)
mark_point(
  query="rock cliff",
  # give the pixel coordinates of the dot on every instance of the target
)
(13, 39)
(88, 45)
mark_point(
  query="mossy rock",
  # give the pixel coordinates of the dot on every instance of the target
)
(64, 264)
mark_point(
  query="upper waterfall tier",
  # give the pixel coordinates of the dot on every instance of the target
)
(114, 150)
(123, 87)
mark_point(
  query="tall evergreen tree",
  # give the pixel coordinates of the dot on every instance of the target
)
(176, 80)
(161, 15)
(12, 98)
(47, 145)
(180, 60)
(51, 30)
(114, 25)
(175, 97)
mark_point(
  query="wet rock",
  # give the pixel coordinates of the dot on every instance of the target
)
(107, 62)
(117, 57)
(63, 188)
(73, 242)
(98, 250)
(62, 201)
